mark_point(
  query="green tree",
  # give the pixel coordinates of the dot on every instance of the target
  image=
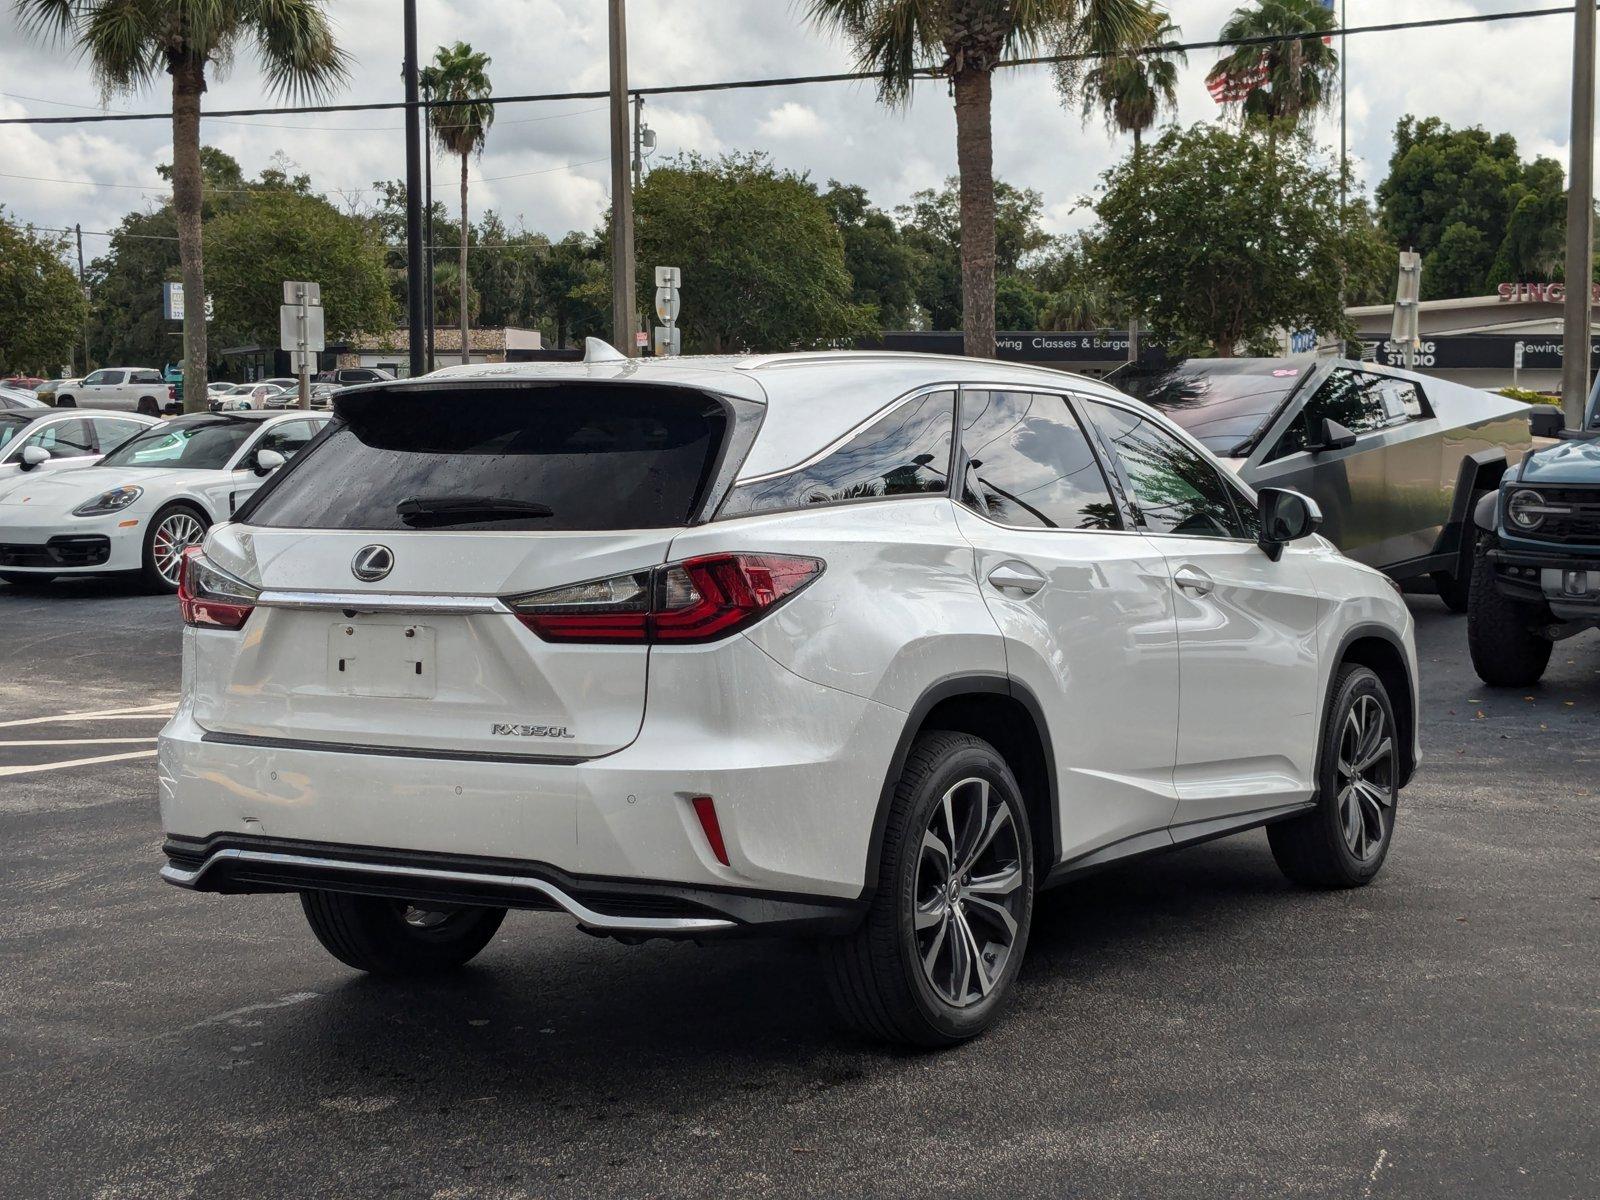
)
(282, 233)
(460, 75)
(130, 43)
(1132, 88)
(883, 267)
(1475, 210)
(764, 265)
(504, 271)
(931, 227)
(1074, 294)
(964, 40)
(1298, 73)
(42, 308)
(573, 282)
(1221, 241)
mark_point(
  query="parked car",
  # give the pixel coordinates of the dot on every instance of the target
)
(321, 396)
(130, 389)
(19, 398)
(21, 383)
(47, 390)
(146, 501)
(1396, 460)
(864, 647)
(345, 376)
(41, 440)
(244, 397)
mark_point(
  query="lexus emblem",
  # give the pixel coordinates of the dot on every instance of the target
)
(372, 563)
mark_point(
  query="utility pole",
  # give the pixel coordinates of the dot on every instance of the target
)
(427, 218)
(1580, 223)
(1344, 117)
(83, 286)
(415, 290)
(623, 319)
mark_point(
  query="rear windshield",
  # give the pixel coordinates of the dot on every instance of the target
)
(1223, 404)
(553, 458)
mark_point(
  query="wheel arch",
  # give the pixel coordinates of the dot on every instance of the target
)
(1480, 472)
(1380, 649)
(1008, 716)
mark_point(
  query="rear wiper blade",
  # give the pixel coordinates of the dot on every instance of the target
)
(463, 510)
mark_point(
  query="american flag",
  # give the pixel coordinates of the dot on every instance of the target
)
(1230, 87)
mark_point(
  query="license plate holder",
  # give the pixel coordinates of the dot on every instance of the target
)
(394, 659)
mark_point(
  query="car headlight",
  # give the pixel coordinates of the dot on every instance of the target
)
(117, 499)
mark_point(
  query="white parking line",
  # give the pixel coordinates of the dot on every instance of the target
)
(79, 742)
(75, 762)
(149, 712)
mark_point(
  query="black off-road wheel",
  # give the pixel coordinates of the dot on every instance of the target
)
(937, 955)
(398, 937)
(1506, 652)
(1343, 841)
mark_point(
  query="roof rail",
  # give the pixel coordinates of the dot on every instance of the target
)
(596, 350)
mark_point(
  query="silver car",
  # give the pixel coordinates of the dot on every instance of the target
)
(1396, 460)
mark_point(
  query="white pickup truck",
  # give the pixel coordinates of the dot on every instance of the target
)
(129, 389)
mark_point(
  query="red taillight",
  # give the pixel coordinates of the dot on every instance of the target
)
(706, 809)
(210, 598)
(697, 600)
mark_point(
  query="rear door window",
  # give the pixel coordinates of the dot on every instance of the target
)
(1028, 464)
(65, 439)
(551, 458)
(905, 452)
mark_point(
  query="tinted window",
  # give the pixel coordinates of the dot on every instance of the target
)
(542, 458)
(1401, 399)
(1029, 465)
(65, 439)
(110, 433)
(11, 425)
(1222, 403)
(906, 452)
(104, 377)
(1344, 397)
(289, 438)
(206, 445)
(1175, 490)
(147, 377)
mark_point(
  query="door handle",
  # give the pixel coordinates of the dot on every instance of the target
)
(1193, 579)
(1016, 577)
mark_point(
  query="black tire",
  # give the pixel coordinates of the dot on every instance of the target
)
(25, 579)
(148, 407)
(66, 402)
(1505, 650)
(876, 974)
(373, 934)
(1315, 850)
(149, 566)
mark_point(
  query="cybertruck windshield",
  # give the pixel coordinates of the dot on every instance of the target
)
(1225, 403)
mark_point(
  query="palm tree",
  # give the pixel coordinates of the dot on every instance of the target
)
(129, 43)
(459, 74)
(963, 41)
(1133, 88)
(1297, 74)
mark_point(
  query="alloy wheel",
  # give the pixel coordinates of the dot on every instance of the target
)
(173, 536)
(1365, 777)
(969, 895)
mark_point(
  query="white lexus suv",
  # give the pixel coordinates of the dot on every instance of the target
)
(863, 647)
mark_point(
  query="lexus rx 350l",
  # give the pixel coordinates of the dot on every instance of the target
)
(867, 648)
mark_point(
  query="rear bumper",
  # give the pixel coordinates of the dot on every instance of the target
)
(632, 908)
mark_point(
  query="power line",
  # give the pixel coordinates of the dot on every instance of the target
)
(837, 77)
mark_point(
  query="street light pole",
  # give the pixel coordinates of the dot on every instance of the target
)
(415, 290)
(1580, 222)
(622, 262)
(427, 220)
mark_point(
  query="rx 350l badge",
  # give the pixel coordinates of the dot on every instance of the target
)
(539, 731)
(372, 563)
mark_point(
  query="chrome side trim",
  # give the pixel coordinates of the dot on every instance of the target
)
(584, 915)
(375, 602)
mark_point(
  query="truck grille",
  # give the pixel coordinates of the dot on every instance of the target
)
(1581, 525)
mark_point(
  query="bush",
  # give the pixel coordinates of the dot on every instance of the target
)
(1528, 396)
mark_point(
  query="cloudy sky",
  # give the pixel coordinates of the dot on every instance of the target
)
(544, 164)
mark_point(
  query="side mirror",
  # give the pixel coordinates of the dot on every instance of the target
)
(1332, 436)
(33, 456)
(268, 461)
(1286, 516)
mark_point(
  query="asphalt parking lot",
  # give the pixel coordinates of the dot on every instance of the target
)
(1191, 1026)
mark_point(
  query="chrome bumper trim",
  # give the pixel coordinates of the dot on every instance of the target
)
(378, 602)
(582, 913)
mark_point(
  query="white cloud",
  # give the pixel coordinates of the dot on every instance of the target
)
(791, 122)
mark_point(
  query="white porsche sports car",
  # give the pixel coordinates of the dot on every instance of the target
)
(47, 439)
(141, 506)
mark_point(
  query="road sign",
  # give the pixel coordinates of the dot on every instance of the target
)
(294, 291)
(302, 362)
(172, 302)
(669, 340)
(300, 327)
(641, 339)
(669, 277)
(669, 301)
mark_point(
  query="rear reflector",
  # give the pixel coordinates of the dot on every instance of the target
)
(696, 600)
(706, 809)
(209, 597)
